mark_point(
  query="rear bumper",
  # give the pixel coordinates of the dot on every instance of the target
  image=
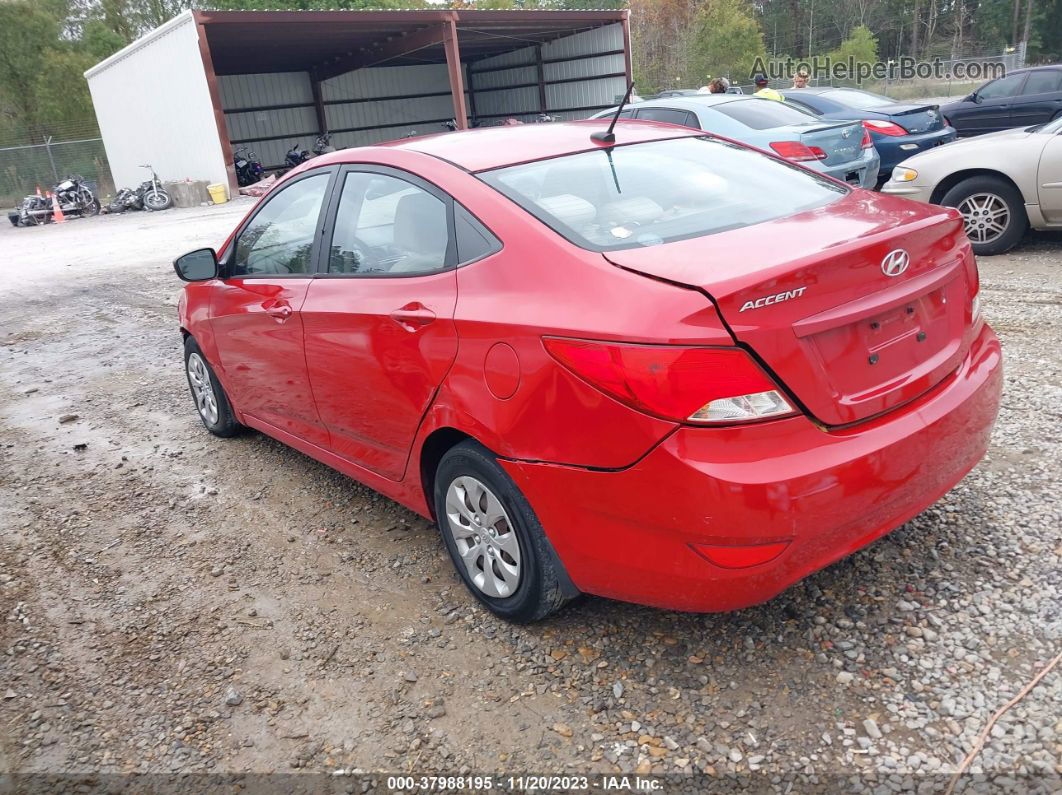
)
(865, 170)
(627, 534)
(894, 151)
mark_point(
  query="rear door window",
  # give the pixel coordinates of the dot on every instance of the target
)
(669, 115)
(1045, 82)
(386, 225)
(763, 114)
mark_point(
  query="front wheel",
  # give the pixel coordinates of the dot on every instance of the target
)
(90, 207)
(993, 213)
(494, 539)
(157, 200)
(210, 399)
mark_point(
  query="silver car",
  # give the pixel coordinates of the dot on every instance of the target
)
(840, 149)
(1002, 183)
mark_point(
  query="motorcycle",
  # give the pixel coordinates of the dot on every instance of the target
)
(75, 195)
(152, 195)
(149, 195)
(323, 144)
(295, 157)
(248, 169)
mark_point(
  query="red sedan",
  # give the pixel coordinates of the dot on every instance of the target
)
(667, 369)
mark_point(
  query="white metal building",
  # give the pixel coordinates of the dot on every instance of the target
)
(184, 96)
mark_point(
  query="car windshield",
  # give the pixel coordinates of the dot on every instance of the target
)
(652, 193)
(863, 100)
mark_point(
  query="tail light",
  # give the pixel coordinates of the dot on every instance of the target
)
(884, 127)
(867, 140)
(683, 384)
(798, 152)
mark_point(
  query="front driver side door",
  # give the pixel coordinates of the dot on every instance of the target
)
(380, 334)
(1049, 179)
(256, 307)
(994, 106)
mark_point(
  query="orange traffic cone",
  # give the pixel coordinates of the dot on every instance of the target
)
(57, 211)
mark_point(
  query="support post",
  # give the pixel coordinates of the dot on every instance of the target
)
(215, 100)
(627, 46)
(453, 66)
(318, 104)
(541, 79)
(48, 146)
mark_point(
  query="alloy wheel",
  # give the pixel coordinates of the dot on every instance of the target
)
(985, 215)
(202, 388)
(484, 535)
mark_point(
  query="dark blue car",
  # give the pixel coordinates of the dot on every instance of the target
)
(898, 129)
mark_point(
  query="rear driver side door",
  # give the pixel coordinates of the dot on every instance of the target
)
(380, 335)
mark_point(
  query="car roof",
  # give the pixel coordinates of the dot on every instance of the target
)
(493, 147)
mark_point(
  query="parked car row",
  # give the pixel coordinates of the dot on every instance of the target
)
(1002, 183)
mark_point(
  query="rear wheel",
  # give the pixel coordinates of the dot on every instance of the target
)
(993, 212)
(494, 538)
(210, 399)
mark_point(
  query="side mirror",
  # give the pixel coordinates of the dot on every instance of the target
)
(975, 98)
(197, 266)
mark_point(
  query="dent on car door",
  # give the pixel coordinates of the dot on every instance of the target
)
(380, 334)
(1049, 180)
(256, 308)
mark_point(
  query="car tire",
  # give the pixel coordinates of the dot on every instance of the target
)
(539, 586)
(991, 195)
(212, 404)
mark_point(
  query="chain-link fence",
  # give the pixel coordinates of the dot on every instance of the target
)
(42, 160)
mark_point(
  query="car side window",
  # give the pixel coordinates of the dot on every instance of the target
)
(279, 238)
(386, 225)
(474, 241)
(1004, 87)
(669, 115)
(1046, 81)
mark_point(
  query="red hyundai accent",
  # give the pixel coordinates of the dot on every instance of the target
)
(669, 369)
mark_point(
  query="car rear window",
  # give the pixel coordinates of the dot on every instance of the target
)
(863, 100)
(763, 114)
(652, 193)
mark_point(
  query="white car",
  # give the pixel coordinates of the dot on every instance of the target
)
(1002, 183)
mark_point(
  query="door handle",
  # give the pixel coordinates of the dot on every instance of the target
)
(281, 312)
(413, 316)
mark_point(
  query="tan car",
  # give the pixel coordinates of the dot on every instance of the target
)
(1002, 183)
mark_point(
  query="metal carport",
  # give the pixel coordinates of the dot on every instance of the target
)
(271, 78)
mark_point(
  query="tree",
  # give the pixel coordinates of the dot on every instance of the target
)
(725, 41)
(861, 45)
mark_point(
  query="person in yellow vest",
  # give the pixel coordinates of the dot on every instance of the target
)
(762, 89)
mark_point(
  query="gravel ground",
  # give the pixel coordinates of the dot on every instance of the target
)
(173, 603)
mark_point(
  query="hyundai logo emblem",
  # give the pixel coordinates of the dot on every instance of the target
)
(895, 262)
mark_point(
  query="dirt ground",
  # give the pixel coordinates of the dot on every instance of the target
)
(172, 603)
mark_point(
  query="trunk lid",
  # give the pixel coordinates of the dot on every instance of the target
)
(809, 295)
(842, 142)
(914, 118)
